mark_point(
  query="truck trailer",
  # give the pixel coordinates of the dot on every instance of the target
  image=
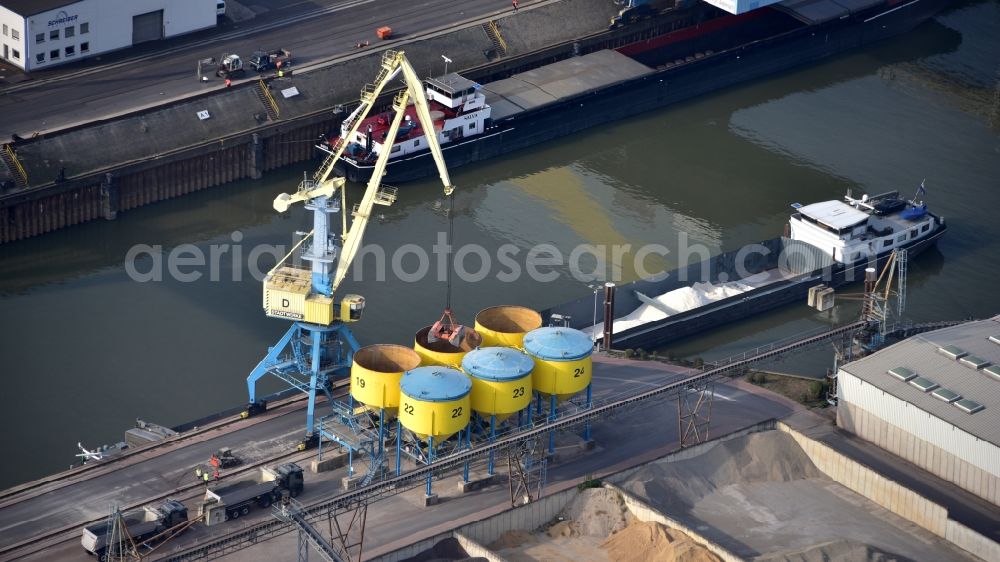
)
(141, 526)
(235, 500)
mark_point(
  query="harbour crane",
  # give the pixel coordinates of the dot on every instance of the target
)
(319, 345)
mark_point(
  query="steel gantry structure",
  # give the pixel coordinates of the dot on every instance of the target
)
(359, 498)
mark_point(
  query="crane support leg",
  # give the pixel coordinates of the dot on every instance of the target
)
(305, 358)
(270, 360)
(314, 375)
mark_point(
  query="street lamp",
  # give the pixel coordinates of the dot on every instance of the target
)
(593, 329)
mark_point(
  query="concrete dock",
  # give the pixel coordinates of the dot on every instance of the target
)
(51, 519)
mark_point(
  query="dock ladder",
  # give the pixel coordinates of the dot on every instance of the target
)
(14, 165)
(493, 32)
(268, 100)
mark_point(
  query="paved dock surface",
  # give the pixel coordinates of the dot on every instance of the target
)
(141, 76)
(620, 441)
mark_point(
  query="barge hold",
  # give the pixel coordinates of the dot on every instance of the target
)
(154, 154)
(829, 243)
(709, 50)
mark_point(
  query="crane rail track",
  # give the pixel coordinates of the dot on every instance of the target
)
(253, 534)
(13, 495)
(41, 542)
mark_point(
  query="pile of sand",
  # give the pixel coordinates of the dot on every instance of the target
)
(646, 541)
(597, 526)
(594, 512)
(447, 550)
(675, 486)
(834, 551)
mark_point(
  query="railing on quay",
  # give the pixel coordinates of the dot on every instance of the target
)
(391, 486)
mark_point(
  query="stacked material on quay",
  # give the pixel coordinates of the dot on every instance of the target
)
(596, 526)
(761, 497)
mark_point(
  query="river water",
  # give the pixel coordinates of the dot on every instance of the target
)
(87, 348)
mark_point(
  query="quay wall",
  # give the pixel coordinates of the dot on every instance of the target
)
(96, 170)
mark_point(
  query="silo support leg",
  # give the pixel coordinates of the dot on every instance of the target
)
(399, 447)
(493, 436)
(430, 459)
(552, 418)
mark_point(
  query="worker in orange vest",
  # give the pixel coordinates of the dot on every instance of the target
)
(229, 82)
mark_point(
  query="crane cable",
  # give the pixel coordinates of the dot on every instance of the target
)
(450, 255)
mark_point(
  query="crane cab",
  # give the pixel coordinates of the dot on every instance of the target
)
(288, 294)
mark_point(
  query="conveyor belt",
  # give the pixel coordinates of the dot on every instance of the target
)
(390, 486)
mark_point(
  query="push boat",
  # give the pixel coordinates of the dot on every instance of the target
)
(829, 243)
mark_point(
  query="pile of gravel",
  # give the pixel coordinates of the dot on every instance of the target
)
(675, 486)
(447, 550)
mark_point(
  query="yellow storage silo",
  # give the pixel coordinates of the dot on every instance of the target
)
(506, 325)
(501, 381)
(441, 352)
(434, 402)
(563, 366)
(375, 375)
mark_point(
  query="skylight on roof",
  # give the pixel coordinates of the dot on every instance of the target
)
(946, 395)
(968, 406)
(974, 362)
(953, 351)
(923, 384)
(902, 373)
(993, 371)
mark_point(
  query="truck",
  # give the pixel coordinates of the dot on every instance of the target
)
(150, 522)
(262, 61)
(230, 67)
(235, 500)
(635, 10)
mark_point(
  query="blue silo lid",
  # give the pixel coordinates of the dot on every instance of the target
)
(435, 384)
(497, 364)
(558, 344)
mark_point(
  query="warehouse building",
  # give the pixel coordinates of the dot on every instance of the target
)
(933, 399)
(37, 34)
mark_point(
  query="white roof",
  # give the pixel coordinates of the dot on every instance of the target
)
(835, 214)
(921, 354)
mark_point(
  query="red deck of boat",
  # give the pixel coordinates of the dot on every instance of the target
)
(686, 33)
(380, 123)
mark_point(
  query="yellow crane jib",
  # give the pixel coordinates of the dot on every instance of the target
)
(318, 344)
(307, 294)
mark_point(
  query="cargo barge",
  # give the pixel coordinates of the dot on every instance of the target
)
(829, 243)
(710, 49)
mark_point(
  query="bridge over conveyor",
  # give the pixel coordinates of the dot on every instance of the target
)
(297, 517)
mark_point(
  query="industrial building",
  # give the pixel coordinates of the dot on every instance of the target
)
(933, 399)
(37, 34)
